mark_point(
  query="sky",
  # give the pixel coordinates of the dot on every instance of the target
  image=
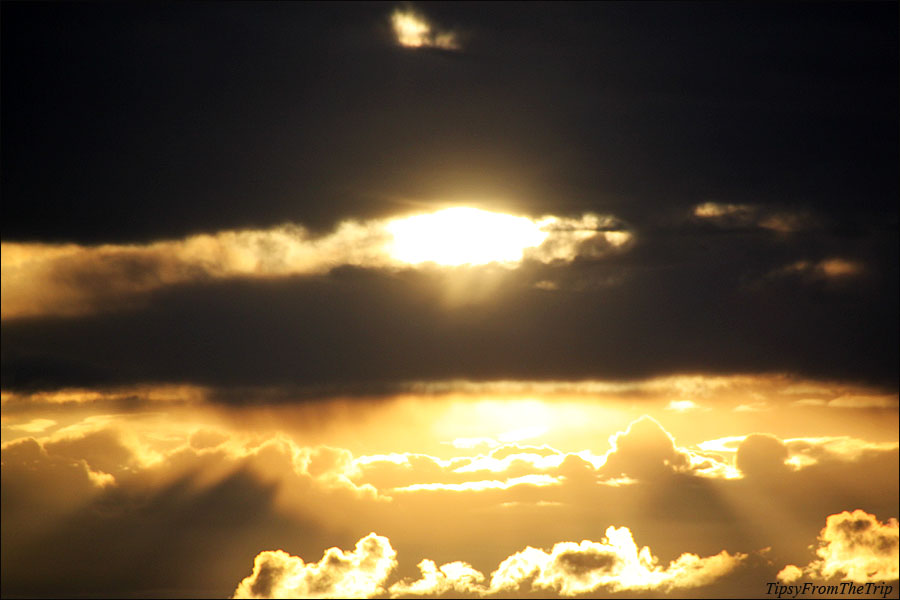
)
(481, 300)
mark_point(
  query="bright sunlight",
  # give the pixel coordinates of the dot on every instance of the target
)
(463, 236)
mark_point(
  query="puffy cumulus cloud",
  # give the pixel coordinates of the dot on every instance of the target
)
(334, 466)
(127, 504)
(359, 573)
(789, 574)
(42, 279)
(762, 455)
(202, 439)
(104, 453)
(505, 467)
(40, 483)
(303, 472)
(644, 451)
(138, 457)
(514, 459)
(855, 546)
(105, 448)
(568, 569)
(455, 577)
(194, 476)
(400, 470)
(614, 564)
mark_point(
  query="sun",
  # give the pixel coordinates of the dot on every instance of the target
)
(463, 236)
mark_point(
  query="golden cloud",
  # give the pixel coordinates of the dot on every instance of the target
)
(716, 392)
(413, 30)
(359, 573)
(613, 564)
(854, 546)
(742, 216)
(538, 480)
(833, 271)
(644, 451)
(568, 569)
(134, 466)
(42, 279)
(455, 577)
(762, 455)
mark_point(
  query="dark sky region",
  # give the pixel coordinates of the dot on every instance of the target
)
(139, 122)
(294, 307)
(129, 123)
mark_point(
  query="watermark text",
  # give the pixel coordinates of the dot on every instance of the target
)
(844, 588)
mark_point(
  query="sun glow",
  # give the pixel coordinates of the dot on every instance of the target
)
(463, 236)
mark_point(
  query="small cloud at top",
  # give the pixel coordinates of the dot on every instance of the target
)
(413, 30)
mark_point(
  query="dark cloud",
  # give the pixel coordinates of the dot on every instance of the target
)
(761, 455)
(356, 326)
(644, 451)
(579, 563)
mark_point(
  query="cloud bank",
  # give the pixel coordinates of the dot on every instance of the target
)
(87, 484)
(568, 569)
(70, 279)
